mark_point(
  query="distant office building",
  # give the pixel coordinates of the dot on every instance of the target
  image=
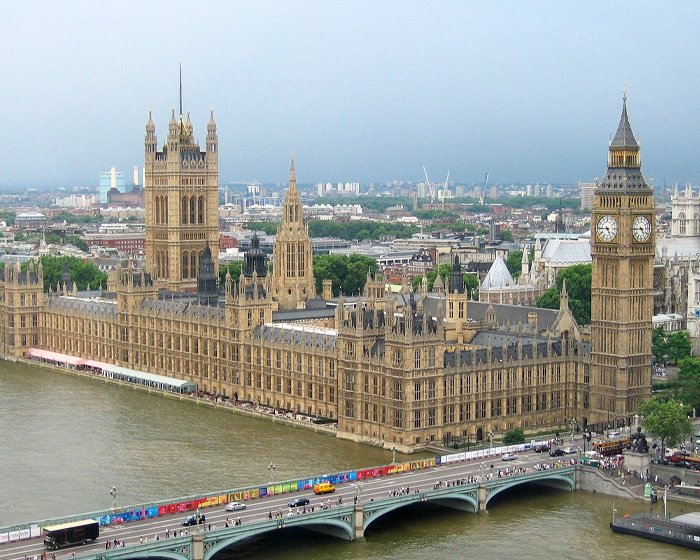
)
(30, 220)
(587, 194)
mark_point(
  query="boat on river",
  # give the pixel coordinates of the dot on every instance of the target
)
(683, 530)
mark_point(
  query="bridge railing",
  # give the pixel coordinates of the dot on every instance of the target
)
(22, 531)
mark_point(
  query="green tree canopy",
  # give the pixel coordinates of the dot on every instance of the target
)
(686, 386)
(8, 216)
(507, 235)
(666, 419)
(678, 346)
(234, 267)
(81, 273)
(348, 273)
(513, 437)
(70, 218)
(659, 344)
(514, 263)
(77, 242)
(578, 286)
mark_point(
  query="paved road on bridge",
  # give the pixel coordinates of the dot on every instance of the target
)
(261, 508)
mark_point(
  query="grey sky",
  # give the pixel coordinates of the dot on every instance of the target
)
(359, 91)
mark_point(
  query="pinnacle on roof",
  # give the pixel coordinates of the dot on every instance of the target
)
(624, 137)
(292, 176)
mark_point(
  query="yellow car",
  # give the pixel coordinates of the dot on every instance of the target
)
(323, 488)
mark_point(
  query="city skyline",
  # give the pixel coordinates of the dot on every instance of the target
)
(368, 93)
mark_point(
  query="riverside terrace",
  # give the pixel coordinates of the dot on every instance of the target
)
(361, 498)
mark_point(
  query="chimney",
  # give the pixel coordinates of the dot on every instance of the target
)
(136, 175)
(113, 172)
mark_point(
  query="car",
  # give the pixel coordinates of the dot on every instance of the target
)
(193, 520)
(614, 433)
(323, 488)
(234, 506)
(508, 457)
(569, 450)
(541, 447)
(296, 502)
(558, 452)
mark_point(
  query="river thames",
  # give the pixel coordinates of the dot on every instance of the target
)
(66, 441)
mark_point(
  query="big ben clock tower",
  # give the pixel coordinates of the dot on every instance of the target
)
(622, 247)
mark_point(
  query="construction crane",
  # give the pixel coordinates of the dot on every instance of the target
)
(483, 191)
(431, 187)
(444, 189)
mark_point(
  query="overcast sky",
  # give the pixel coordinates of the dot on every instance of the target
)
(359, 91)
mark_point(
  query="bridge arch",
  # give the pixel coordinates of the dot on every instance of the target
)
(462, 502)
(557, 480)
(333, 527)
(137, 554)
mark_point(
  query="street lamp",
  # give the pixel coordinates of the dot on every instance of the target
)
(113, 492)
(482, 467)
(358, 487)
(272, 468)
(490, 442)
(573, 427)
(393, 454)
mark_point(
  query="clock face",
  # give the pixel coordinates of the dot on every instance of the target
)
(641, 229)
(606, 228)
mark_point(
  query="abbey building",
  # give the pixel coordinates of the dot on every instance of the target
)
(397, 370)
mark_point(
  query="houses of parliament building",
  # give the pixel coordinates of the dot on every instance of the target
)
(397, 370)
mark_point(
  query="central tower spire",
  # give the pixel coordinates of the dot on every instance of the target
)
(293, 278)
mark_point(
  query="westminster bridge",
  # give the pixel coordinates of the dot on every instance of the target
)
(361, 497)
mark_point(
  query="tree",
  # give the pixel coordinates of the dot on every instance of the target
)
(81, 273)
(471, 282)
(678, 346)
(686, 387)
(578, 286)
(514, 263)
(348, 273)
(507, 235)
(514, 436)
(666, 419)
(659, 344)
(234, 267)
(77, 242)
(8, 216)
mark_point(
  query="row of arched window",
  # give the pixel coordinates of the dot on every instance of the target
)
(193, 209)
(682, 224)
(190, 263)
(161, 209)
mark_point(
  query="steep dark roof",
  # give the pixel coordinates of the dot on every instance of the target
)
(624, 138)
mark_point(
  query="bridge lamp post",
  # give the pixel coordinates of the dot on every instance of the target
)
(272, 468)
(490, 442)
(573, 425)
(113, 493)
(393, 454)
(358, 487)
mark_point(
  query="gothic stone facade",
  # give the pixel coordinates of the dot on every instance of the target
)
(394, 370)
